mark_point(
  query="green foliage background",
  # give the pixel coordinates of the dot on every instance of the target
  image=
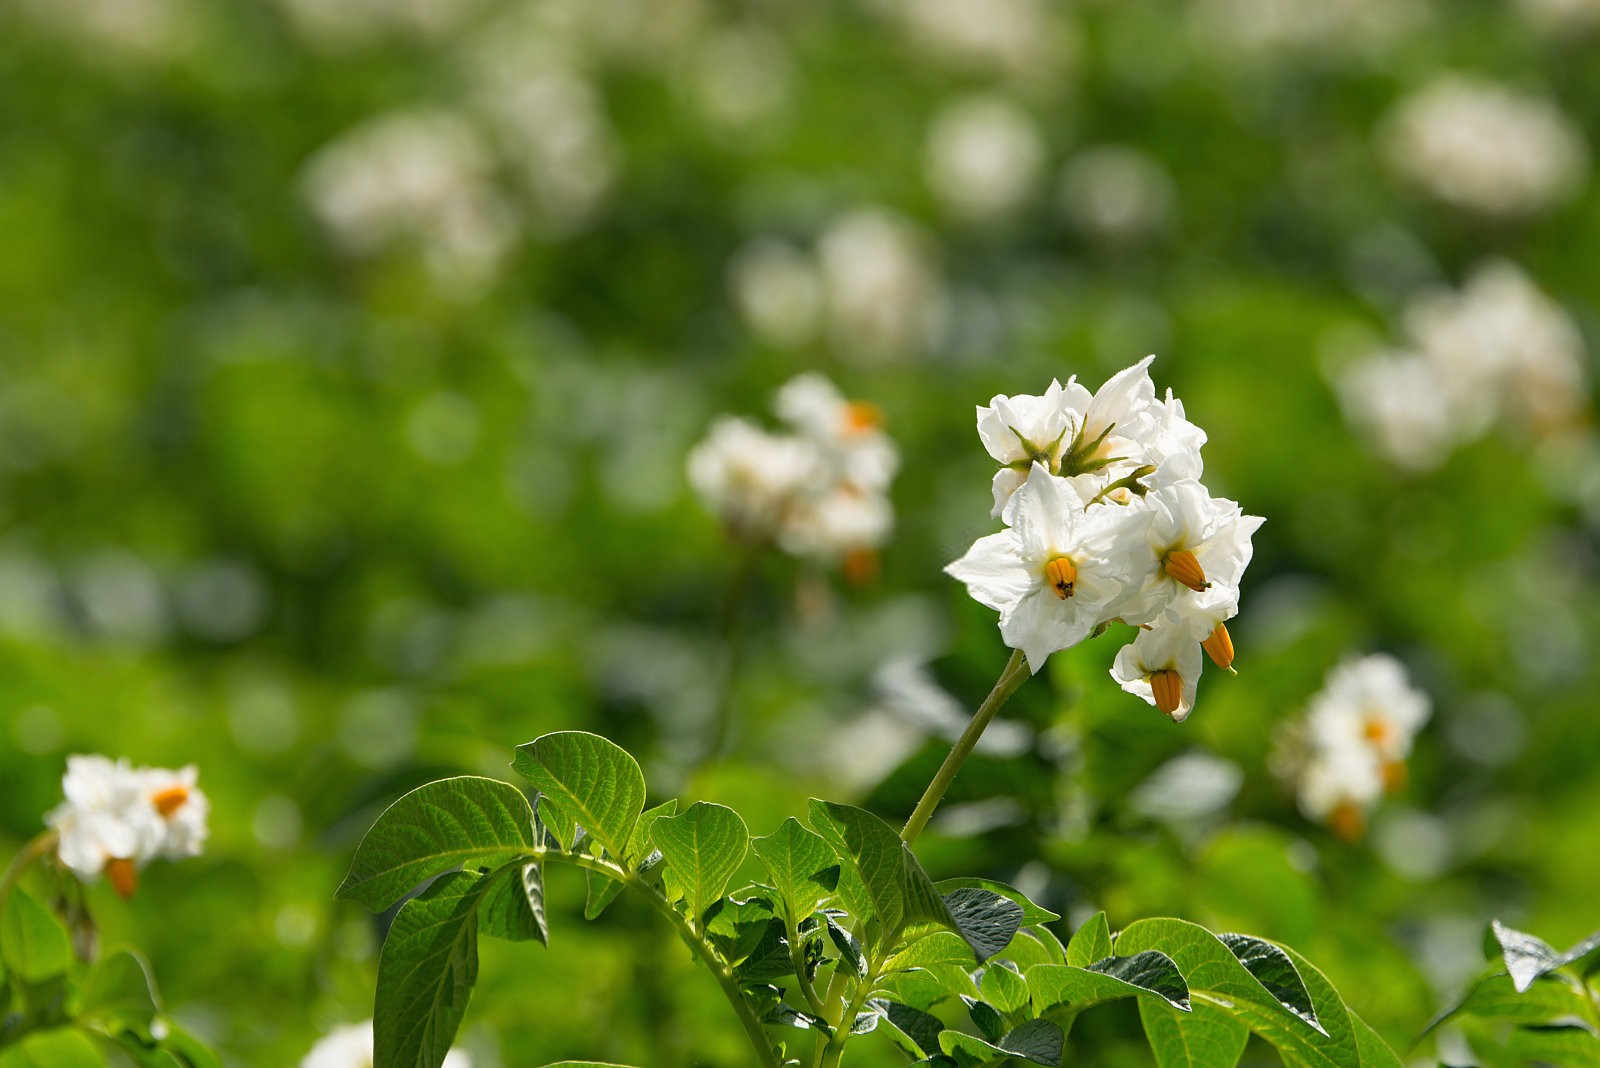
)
(229, 534)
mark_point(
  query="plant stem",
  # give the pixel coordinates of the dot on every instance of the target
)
(41, 844)
(1012, 676)
(697, 945)
(833, 1053)
(733, 640)
(797, 961)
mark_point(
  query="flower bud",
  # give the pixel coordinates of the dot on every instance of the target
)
(1219, 647)
(123, 875)
(1183, 566)
(1167, 688)
(1394, 775)
(861, 416)
(1348, 821)
(170, 800)
(1060, 573)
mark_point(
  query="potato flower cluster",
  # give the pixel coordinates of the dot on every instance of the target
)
(1106, 521)
(818, 489)
(117, 818)
(1354, 741)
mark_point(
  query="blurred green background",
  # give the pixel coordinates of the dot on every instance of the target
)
(350, 353)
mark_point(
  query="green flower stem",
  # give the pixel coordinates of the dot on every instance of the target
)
(753, 1028)
(733, 641)
(1014, 675)
(41, 845)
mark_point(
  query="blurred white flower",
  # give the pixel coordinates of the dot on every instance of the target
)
(1287, 30)
(983, 156)
(350, 1046)
(1496, 351)
(551, 123)
(742, 76)
(423, 176)
(1117, 195)
(821, 491)
(116, 818)
(883, 298)
(1562, 16)
(1192, 786)
(1485, 147)
(1021, 38)
(1369, 702)
(1353, 742)
(749, 477)
(347, 23)
(777, 290)
(141, 30)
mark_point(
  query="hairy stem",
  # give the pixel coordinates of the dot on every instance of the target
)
(833, 1052)
(703, 950)
(41, 845)
(1012, 676)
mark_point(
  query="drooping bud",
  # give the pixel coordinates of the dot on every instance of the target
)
(861, 416)
(170, 800)
(860, 566)
(123, 875)
(1167, 688)
(1219, 647)
(1394, 775)
(1348, 821)
(1183, 566)
(1061, 573)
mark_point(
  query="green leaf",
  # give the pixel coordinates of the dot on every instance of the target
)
(1274, 970)
(1550, 997)
(1003, 988)
(702, 848)
(513, 906)
(940, 947)
(602, 890)
(1146, 974)
(1207, 1037)
(986, 1017)
(1213, 972)
(1036, 1041)
(60, 1048)
(466, 821)
(587, 781)
(426, 969)
(34, 944)
(796, 860)
(1031, 913)
(1027, 948)
(919, 1029)
(899, 893)
(984, 918)
(1528, 957)
(119, 993)
(926, 987)
(849, 948)
(1091, 942)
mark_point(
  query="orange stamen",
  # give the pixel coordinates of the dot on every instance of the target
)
(1377, 730)
(1219, 647)
(1167, 688)
(861, 416)
(1062, 575)
(1183, 566)
(170, 800)
(123, 875)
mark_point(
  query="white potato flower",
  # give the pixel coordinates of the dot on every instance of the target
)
(983, 156)
(116, 818)
(1107, 522)
(1162, 666)
(819, 491)
(1055, 569)
(1339, 787)
(350, 1046)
